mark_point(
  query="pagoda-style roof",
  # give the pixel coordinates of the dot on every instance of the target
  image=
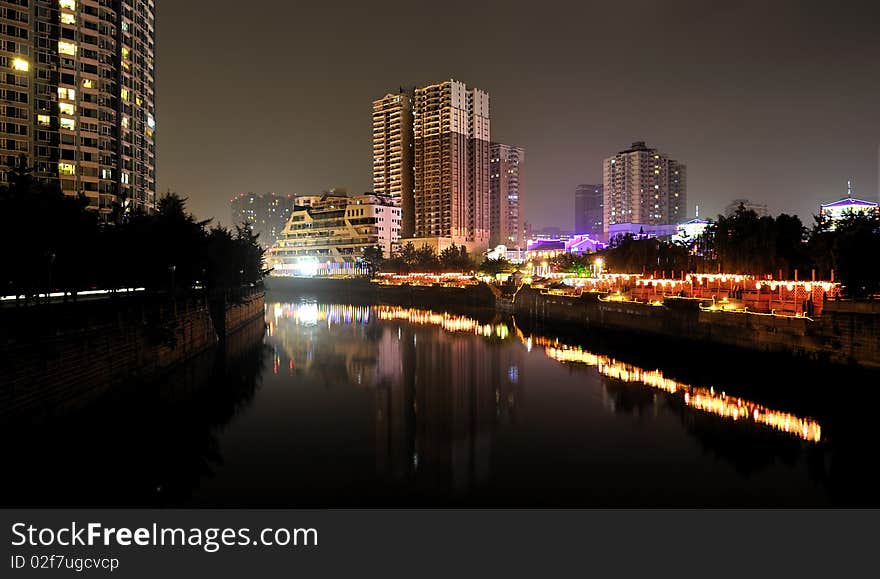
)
(849, 202)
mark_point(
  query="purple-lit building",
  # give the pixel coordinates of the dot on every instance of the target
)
(575, 244)
(836, 210)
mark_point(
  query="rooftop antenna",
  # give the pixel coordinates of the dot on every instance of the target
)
(698, 212)
(849, 188)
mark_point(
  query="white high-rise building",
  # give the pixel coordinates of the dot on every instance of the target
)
(643, 186)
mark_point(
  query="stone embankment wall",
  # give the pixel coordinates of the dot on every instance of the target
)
(53, 373)
(846, 333)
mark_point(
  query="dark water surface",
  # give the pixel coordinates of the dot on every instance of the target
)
(335, 405)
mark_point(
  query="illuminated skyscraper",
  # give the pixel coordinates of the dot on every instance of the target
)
(393, 152)
(451, 142)
(643, 187)
(80, 102)
(505, 201)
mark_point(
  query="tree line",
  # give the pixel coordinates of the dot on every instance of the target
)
(764, 245)
(53, 241)
(409, 258)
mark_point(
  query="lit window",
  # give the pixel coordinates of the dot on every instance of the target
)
(20, 64)
(44, 120)
(87, 83)
(68, 124)
(66, 93)
(66, 108)
(126, 53)
(125, 94)
(125, 178)
(124, 122)
(66, 169)
(69, 4)
(68, 18)
(68, 48)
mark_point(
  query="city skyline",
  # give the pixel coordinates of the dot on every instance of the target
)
(773, 103)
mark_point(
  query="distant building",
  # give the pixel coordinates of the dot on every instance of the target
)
(642, 230)
(505, 195)
(267, 213)
(759, 208)
(589, 206)
(643, 187)
(837, 210)
(690, 230)
(327, 234)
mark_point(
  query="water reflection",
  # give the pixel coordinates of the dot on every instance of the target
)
(335, 405)
(145, 444)
(446, 385)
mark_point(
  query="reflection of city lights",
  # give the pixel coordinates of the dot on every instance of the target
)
(699, 398)
(704, 399)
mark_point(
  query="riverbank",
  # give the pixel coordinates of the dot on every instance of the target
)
(59, 359)
(847, 333)
(363, 291)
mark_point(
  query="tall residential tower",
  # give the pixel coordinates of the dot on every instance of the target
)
(451, 165)
(505, 202)
(79, 102)
(643, 187)
(393, 153)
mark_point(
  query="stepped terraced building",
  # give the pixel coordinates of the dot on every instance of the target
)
(327, 234)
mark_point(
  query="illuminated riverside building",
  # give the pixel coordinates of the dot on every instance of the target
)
(393, 153)
(78, 82)
(327, 234)
(643, 187)
(266, 213)
(837, 210)
(505, 201)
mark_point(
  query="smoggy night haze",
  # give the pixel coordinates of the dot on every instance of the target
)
(776, 102)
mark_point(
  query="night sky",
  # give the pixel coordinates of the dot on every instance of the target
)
(774, 100)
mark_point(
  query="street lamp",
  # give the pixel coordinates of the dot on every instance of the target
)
(598, 263)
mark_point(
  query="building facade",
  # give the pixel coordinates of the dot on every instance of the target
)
(643, 186)
(265, 213)
(79, 97)
(589, 206)
(835, 211)
(505, 196)
(327, 234)
(451, 136)
(393, 153)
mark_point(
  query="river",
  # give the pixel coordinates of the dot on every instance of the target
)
(330, 405)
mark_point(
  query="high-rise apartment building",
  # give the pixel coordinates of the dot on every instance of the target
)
(393, 153)
(266, 213)
(589, 206)
(451, 138)
(643, 186)
(505, 195)
(79, 100)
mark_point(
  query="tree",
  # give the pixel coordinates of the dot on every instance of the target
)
(495, 266)
(372, 259)
(456, 258)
